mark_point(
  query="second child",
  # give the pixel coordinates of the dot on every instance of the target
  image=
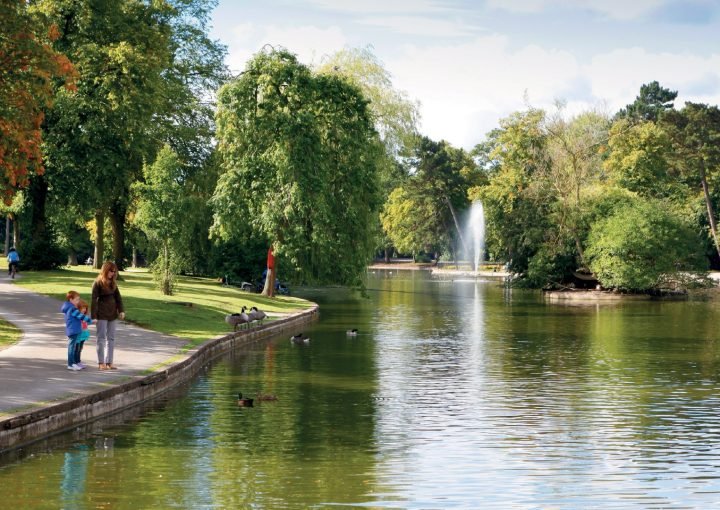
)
(73, 327)
(84, 334)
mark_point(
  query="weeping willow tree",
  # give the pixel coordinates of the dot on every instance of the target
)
(300, 158)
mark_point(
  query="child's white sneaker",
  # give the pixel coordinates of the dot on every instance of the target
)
(76, 367)
(81, 365)
(73, 367)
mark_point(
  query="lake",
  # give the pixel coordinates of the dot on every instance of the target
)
(454, 394)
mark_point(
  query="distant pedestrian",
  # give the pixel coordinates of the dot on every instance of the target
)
(13, 258)
(84, 334)
(105, 307)
(73, 327)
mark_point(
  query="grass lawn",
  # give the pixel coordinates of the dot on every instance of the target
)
(9, 334)
(196, 311)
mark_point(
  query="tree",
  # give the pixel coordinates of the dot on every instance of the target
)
(162, 205)
(649, 105)
(641, 246)
(28, 69)
(300, 156)
(146, 74)
(695, 134)
(394, 114)
(640, 158)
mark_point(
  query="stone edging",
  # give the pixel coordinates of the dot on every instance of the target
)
(31, 426)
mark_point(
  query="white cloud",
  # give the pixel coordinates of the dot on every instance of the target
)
(465, 89)
(618, 9)
(310, 43)
(618, 75)
(383, 6)
(420, 25)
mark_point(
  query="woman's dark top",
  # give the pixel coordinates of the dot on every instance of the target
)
(106, 303)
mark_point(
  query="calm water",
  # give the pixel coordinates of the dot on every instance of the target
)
(454, 395)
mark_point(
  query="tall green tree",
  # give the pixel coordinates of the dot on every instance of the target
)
(147, 72)
(162, 205)
(650, 104)
(300, 157)
(695, 134)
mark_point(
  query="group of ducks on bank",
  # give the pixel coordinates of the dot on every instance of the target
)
(245, 317)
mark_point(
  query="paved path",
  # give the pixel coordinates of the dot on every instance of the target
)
(34, 371)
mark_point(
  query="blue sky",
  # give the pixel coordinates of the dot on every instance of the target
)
(471, 63)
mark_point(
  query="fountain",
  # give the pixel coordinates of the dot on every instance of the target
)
(476, 231)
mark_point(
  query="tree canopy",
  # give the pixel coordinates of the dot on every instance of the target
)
(300, 157)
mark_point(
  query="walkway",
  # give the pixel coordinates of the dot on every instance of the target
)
(33, 372)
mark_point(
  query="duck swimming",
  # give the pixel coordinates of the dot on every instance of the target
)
(352, 332)
(244, 402)
(300, 338)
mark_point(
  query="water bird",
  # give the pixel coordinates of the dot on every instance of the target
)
(352, 332)
(237, 319)
(244, 402)
(300, 338)
(257, 315)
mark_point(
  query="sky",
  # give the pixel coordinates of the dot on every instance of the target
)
(470, 63)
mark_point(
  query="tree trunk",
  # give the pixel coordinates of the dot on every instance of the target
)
(387, 255)
(72, 258)
(16, 232)
(269, 289)
(38, 191)
(7, 235)
(708, 204)
(99, 239)
(134, 257)
(117, 223)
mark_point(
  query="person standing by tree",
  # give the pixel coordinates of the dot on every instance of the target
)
(105, 307)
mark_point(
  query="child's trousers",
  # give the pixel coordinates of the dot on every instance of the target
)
(72, 347)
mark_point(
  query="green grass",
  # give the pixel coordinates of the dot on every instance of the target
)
(195, 311)
(9, 334)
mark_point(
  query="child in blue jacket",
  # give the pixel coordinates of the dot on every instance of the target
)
(73, 327)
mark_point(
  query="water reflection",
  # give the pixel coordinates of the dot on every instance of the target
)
(454, 395)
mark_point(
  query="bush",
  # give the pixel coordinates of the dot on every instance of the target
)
(641, 245)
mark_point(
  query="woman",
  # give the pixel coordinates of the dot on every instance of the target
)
(106, 306)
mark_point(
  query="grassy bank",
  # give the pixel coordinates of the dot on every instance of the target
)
(9, 334)
(196, 311)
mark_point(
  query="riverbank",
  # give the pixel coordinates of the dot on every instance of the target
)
(40, 397)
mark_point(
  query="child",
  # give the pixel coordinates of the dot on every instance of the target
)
(73, 326)
(84, 334)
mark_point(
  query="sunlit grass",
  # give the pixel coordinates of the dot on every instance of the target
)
(195, 311)
(9, 334)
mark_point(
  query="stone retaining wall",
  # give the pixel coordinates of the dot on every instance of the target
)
(25, 428)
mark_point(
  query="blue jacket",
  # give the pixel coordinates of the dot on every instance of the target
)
(13, 256)
(73, 318)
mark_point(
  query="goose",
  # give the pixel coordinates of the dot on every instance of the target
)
(257, 315)
(237, 319)
(352, 332)
(244, 402)
(300, 338)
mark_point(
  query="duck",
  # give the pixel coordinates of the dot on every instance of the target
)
(244, 402)
(300, 338)
(237, 319)
(352, 332)
(265, 397)
(257, 315)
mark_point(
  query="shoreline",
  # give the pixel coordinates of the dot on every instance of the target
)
(25, 426)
